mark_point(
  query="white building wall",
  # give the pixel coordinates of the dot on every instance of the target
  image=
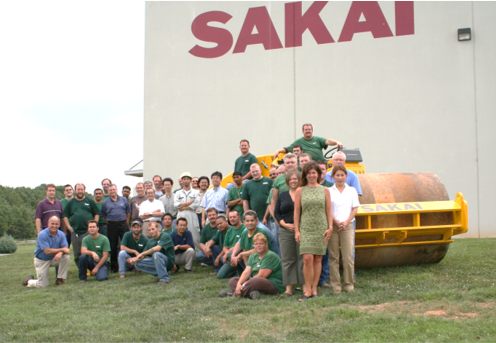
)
(413, 103)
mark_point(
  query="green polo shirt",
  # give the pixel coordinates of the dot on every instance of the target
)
(100, 220)
(311, 146)
(165, 241)
(328, 184)
(98, 245)
(234, 194)
(246, 242)
(219, 238)
(79, 212)
(256, 192)
(233, 235)
(207, 233)
(171, 230)
(280, 183)
(269, 261)
(130, 242)
(243, 164)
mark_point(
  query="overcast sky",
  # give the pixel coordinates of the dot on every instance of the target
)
(71, 91)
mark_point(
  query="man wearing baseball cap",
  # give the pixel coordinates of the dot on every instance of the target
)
(132, 244)
(186, 200)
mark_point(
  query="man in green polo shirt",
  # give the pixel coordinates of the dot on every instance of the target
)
(208, 231)
(234, 200)
(102, 224)
(94, 254)
(244, 248)
(167, 221)
(77, 213)
(218, 241)
(244, 161)
(133, 243)
(158, 256)
(233, 235)
(256, 191)
(311, 144)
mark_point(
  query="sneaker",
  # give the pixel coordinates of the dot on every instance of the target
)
(122, 276)
(60, 282)
(324, 285)
(82, 281)
(162, 282)
(25, 281)
(225, 293)
(255, 294)
(203, 265)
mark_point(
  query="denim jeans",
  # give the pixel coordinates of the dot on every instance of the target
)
(325, 268)
(216, 250)
(155, 265)
(123, 265)
(87, 263)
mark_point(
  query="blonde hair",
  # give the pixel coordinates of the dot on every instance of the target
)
(260, 237)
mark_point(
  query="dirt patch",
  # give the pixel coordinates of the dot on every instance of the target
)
(427, 309)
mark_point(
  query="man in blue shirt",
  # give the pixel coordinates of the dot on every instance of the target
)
(183, 245)
(339, 159)
(215, 197)
(117, 213)
(51, 251)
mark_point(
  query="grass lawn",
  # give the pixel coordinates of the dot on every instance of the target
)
(454, 300)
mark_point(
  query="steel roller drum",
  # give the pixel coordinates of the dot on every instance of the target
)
(394, 188)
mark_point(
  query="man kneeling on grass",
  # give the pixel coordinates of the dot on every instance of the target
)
(133, 243)
(262, 275)
(51, 251)
(158, 256)
(183, 246)
(95, 250)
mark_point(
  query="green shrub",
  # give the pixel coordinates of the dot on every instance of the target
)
(7, 244)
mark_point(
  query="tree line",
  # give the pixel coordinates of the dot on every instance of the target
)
(18, 206)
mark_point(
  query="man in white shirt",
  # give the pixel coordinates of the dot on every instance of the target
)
(151, 210)
(186, 200)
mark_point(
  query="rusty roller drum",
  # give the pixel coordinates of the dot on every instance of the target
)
(401, 187)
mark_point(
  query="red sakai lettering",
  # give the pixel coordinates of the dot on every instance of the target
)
(259, 18)
(206, 33)
(375, 22)
(297, 24)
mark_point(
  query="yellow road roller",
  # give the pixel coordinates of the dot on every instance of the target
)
(404, 218)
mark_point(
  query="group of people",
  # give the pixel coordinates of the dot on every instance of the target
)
(266, 234)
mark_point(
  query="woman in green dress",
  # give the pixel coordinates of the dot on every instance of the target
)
(313, 225)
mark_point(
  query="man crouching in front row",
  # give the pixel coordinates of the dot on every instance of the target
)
(95, 250)
(158, 256)
(51, 251)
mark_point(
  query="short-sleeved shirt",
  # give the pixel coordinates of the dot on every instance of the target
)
(115, 211)
(343, 203)
(148, 206)
(233, 236)
(215, 197)
(246, 242)
(186, 238)
(269, 261)
(219, 238)
(167, 245)
(256, 192)
(46, 241)
(171, 230)
(79, 212)
(311, 146)
(234, 194)
(130, 242)
(64, 202)
(46, 209)
(351, 180)
(280, 183)
(98, 245)
(134, 204)
(243, 164)
(99, 205)
(207, 233)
